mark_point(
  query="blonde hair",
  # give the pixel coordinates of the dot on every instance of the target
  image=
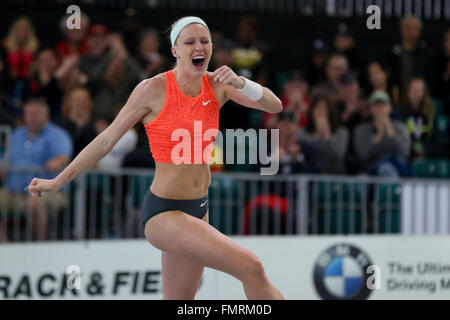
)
(11, 41)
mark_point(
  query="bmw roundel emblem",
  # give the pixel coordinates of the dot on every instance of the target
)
(340, 273)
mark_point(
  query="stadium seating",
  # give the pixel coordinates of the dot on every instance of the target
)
(431, 168)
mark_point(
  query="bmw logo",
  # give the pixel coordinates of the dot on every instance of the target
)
(340, 273)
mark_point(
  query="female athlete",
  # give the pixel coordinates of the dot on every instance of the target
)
(183, 101)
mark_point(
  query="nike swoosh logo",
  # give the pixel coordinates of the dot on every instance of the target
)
(205, 103)
(203, 203)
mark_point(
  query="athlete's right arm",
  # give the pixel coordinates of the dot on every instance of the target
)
(137, 106)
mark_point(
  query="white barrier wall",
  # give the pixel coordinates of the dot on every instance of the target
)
(376, 267)
(425, 208)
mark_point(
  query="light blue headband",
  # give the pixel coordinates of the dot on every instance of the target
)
(183, 22)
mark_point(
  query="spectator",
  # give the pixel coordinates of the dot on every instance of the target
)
(233, 116)
(44, 83)
(410, 58)
(77, 118)
(325, 134)
(294, 156)
(38, 143)
(75, 42)
(223, 51)
(151, 60)
(420, 118)
(295, 98)
(317, 63)
(382, 145)
(251, 54)
(336, 67)
(345, 44)
(444, 73)
(69, 74)
(20, 45)
(351, 107)
(111, 72)
(130, 27)
(377, 77)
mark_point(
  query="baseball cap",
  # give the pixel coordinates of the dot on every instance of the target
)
(379, 96)
(98, 29)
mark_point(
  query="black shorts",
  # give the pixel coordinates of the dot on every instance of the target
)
(153, 205)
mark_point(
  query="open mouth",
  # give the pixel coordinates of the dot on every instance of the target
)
(198, 61)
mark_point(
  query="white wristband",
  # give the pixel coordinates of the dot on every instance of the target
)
(252, 89)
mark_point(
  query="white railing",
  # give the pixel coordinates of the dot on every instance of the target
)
(102, 205)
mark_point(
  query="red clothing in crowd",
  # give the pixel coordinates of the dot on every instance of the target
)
(64, 48)
(19, 63)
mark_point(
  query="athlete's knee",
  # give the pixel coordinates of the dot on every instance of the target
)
(152, 237)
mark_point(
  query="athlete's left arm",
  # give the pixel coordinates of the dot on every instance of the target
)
(269, 102)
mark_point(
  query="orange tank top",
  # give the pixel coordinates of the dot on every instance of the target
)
(185, 128)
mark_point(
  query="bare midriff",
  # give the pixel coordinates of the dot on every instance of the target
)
(181, 181)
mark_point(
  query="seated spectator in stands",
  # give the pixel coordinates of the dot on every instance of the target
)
(111, 72)
(251, 54)
(38, 143)
(151, 60)
(345, 44)
(251, 59)
(411, 57)
(377, 77)
(113, 160)
(233, 116)
(44, 83)
(420, 119)
(317, 63)
(382, 145)
(325, 134)
(444, 73)
(20, 45)
(75, 42)
(294, 97)
(130, 26)
(294, 156)
(69, 74)
(352, 109)
(222, 53)
(77, 118)
(336, 67)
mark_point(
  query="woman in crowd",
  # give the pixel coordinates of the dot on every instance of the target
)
(420, 118)
(325, 134)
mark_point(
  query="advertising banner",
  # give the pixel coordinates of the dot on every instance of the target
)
(313, 267)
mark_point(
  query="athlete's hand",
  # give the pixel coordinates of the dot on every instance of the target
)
(37, 186)
(226, 75)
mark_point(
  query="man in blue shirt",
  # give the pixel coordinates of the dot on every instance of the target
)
(47, 148)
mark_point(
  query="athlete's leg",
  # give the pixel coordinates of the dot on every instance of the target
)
(195, 240)
(180, 276)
